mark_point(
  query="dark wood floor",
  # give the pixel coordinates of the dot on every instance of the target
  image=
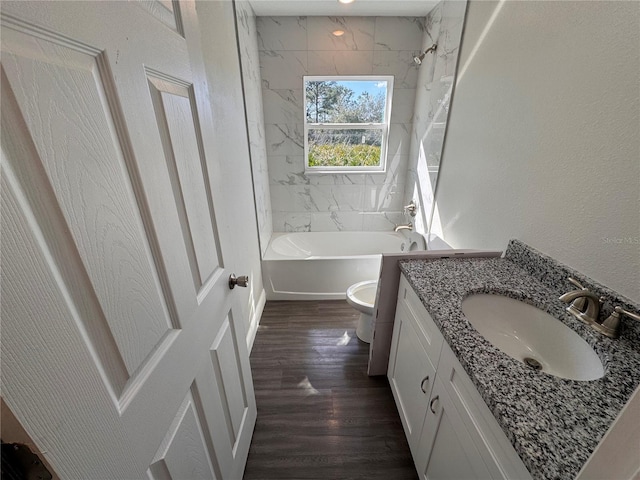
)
(319, 414)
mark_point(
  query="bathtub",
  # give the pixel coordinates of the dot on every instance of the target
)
(322, 265)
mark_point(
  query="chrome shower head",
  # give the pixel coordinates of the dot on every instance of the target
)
(418, 58)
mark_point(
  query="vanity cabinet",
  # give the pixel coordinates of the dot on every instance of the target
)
(413, 360)
(451, 431)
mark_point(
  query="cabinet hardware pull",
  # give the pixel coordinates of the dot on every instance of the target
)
(425, 379)
(433, 400)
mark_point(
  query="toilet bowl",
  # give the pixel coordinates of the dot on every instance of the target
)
(362, 297)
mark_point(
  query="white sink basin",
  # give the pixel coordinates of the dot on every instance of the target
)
(532, 336)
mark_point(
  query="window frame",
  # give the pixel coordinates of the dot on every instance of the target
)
(384, 126)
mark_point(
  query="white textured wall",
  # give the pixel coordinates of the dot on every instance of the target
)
(543, 140)
(291, 47)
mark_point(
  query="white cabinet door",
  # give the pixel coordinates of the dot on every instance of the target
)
(446, 451)
(121, 354)
(498, 454)
(411, 376)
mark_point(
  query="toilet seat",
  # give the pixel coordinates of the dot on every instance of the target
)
(362, 297)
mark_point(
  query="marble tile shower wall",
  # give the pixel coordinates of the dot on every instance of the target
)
(443, 26)
(291, 47)
(250, 64)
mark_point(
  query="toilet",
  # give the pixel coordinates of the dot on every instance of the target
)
(362, 297)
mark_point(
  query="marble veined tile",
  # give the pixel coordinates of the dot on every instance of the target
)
(263, 206)
(395, 172)
(452, 25)
(282, 70)
(440, 99)
(330, 62)
(291, 222)
(253, 96)
(249, 52)
(244, 13)
(383, 198)
(440, 66)
(247, 38)
(430, 145)
(358, 33)
(382, 221)
(400, 64)
(432, 26)
(316, 198)
(256, 139)
(402, 105)
(399, 139)
(287, 170)
(284, 139)
(398, 33)
(282, 33)
(453, 19)
(336, 221)
(448, 55)
(337, 178)
(283, 198)
(261, 172)
(337, 197)
(283, 106)
(421, 125)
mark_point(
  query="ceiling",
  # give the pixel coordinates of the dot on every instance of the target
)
(394, 8)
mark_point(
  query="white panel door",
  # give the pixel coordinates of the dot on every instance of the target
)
(120, 351)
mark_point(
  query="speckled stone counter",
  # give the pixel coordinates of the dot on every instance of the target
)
(554, 424)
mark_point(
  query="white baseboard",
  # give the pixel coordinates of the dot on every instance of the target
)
(255, 320)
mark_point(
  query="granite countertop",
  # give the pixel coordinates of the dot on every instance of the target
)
(553, 423)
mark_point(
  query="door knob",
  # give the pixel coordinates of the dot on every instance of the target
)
(241, 281)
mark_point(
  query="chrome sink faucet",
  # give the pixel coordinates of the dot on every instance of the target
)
(579, 299)
(589, 314)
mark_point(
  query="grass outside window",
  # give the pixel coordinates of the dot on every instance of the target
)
(346, 123)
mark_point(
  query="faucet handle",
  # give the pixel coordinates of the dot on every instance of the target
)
(629, 314)
(411, 208)
(611, 326)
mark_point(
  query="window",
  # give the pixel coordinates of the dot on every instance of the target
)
(346, 123)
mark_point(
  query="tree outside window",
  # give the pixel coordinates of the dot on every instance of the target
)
(346, 122)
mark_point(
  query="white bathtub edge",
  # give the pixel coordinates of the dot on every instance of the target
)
(322, 265)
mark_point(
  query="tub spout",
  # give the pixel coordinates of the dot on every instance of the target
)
(408, 226)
